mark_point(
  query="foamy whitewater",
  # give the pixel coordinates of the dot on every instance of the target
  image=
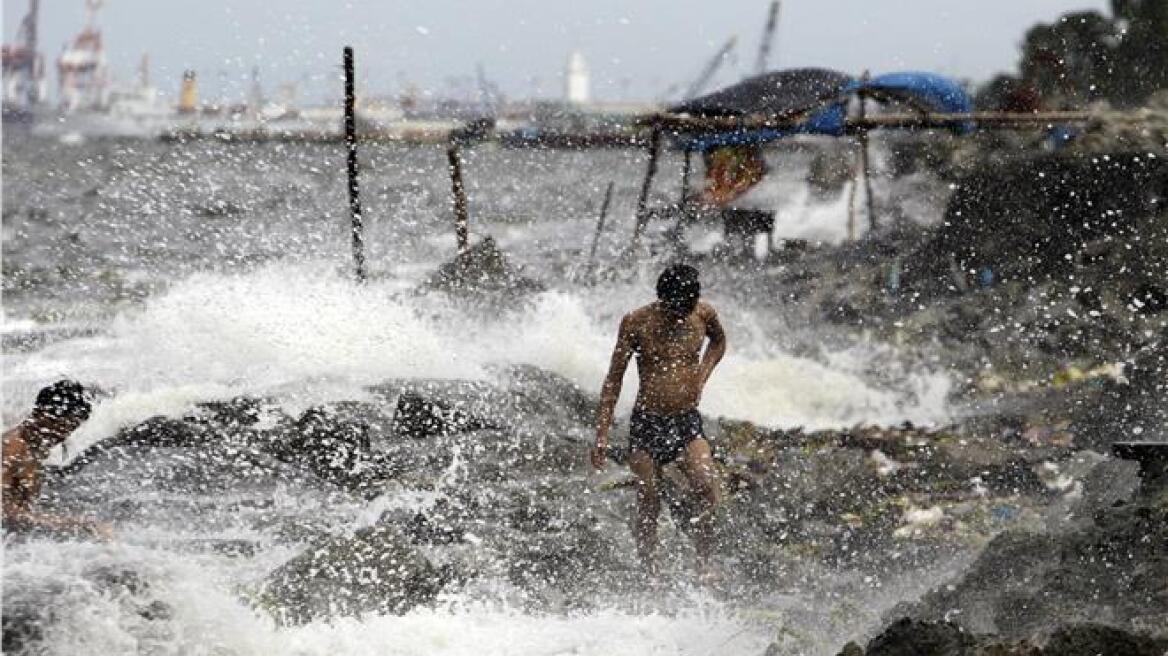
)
(173, 306)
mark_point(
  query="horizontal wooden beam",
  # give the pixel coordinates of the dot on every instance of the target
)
(685, 123)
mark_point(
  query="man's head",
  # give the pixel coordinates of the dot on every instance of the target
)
(60, 408)
(678, 289)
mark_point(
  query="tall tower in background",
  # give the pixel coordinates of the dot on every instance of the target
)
(188, 95)
(576, 79)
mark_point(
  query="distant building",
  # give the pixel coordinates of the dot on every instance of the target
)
(576, 79)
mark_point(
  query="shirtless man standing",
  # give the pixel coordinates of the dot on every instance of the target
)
(667, 337)
(60, 408)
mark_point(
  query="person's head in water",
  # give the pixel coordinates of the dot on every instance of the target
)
(59, 409)
(678, 289)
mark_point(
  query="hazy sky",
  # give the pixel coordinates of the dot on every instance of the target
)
(635, 48)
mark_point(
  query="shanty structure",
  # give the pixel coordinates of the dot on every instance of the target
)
(773, 106)
(817, 101)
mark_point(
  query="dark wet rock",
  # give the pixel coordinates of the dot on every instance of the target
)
(483, 275)
(1091, 639)
(907, 637)
(335, 445)
(116, 580)
(156, 611)
(419, 417)
(1114, 569)
(373, 571)
(1026, 218)
(913, 638)
(850, 649)
(560, 563)
(24, 623)
(160, 432)
(545, 393)
(241, 412)
(423, 530)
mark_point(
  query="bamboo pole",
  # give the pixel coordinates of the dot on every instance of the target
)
(865, 163)
(643, 199)
(461, 218)
(356, 223)
(852, 200)
(866, 168)
(599, 226)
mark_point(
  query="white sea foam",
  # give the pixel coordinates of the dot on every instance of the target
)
(305, 334)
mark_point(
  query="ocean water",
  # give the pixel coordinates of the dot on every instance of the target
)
(167, 275)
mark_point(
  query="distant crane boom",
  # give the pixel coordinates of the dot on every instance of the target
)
(711, 67)
(768, 36)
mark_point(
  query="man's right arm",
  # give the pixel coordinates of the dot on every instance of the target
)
(611, 390)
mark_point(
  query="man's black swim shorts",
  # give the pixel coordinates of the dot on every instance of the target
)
(663, 437)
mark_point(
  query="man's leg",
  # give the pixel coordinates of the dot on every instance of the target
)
(648, 507)
(699, 469)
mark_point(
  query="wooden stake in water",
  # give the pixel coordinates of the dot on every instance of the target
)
(351, 146)
(646, 185)
(461, 220)
(865, 165)
(599, 226)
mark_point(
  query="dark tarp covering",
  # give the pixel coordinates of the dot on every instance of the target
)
(825, 92)
(773, 93)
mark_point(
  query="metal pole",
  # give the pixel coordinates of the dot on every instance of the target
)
(461, 221)
(351, 146)
(643, 199)
(599, 225)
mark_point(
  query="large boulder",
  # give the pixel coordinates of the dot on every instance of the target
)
(1036, 217)
(375, 570)
(907, 637)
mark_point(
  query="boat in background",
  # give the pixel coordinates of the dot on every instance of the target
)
(24, 72)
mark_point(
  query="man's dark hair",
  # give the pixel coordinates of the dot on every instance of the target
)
(64, 399)
(678, 288)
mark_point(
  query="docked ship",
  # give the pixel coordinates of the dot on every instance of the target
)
(23, 72)
(89, 105)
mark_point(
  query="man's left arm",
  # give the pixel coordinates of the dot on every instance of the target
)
(717, 346)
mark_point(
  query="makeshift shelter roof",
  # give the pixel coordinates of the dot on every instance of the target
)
(774, 93)
(821, 96)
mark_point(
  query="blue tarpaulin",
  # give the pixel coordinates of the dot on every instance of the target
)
(921, 91)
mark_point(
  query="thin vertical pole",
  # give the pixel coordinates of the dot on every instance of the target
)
(599, 225)
(461, 221)
(351, 146)
(643, 200)
(681, 206)
(852, 198)
(866, 168)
